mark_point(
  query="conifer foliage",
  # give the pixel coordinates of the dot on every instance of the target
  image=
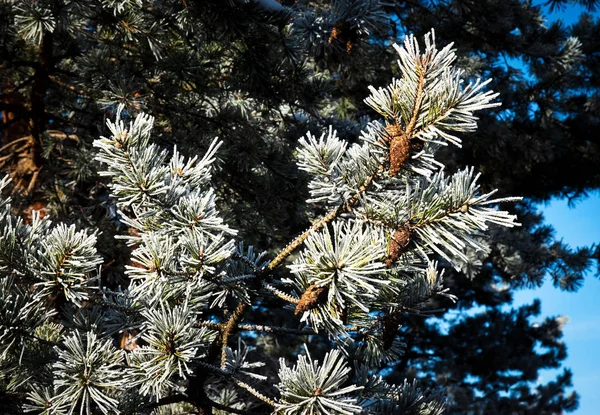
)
(173, 339)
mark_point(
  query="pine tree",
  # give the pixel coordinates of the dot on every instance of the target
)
(359, 269)
(259, 75)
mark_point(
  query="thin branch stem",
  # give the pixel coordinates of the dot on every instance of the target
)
(18, 140)
(245, 261)
(284, 296)
(274, 329)
(211, 325)
(72, 88)
(241, 384)
(254, 392)
(215, 369)
(418, 100)
(229, 329)
(256, 327)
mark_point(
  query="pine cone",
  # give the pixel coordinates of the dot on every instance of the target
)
(399, 148)
(398, 244)
(312, 297)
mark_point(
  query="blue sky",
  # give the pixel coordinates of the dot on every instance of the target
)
(569, 15)
(578, 226)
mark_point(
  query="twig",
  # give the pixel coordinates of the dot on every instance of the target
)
(256, 327)
(18, 140)
(284, 296)
(7, 157)
(214, 369)
(210, 325)
(253, 392)
(33, 180)
(245, 261)
(418, 99)
(229, 329)
(228, 375)
(275, 329)
(65, 85)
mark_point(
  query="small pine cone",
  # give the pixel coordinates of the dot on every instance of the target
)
(398, 244)
(391, 323)
(312, 297)
(399, 148)
(393, 130)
